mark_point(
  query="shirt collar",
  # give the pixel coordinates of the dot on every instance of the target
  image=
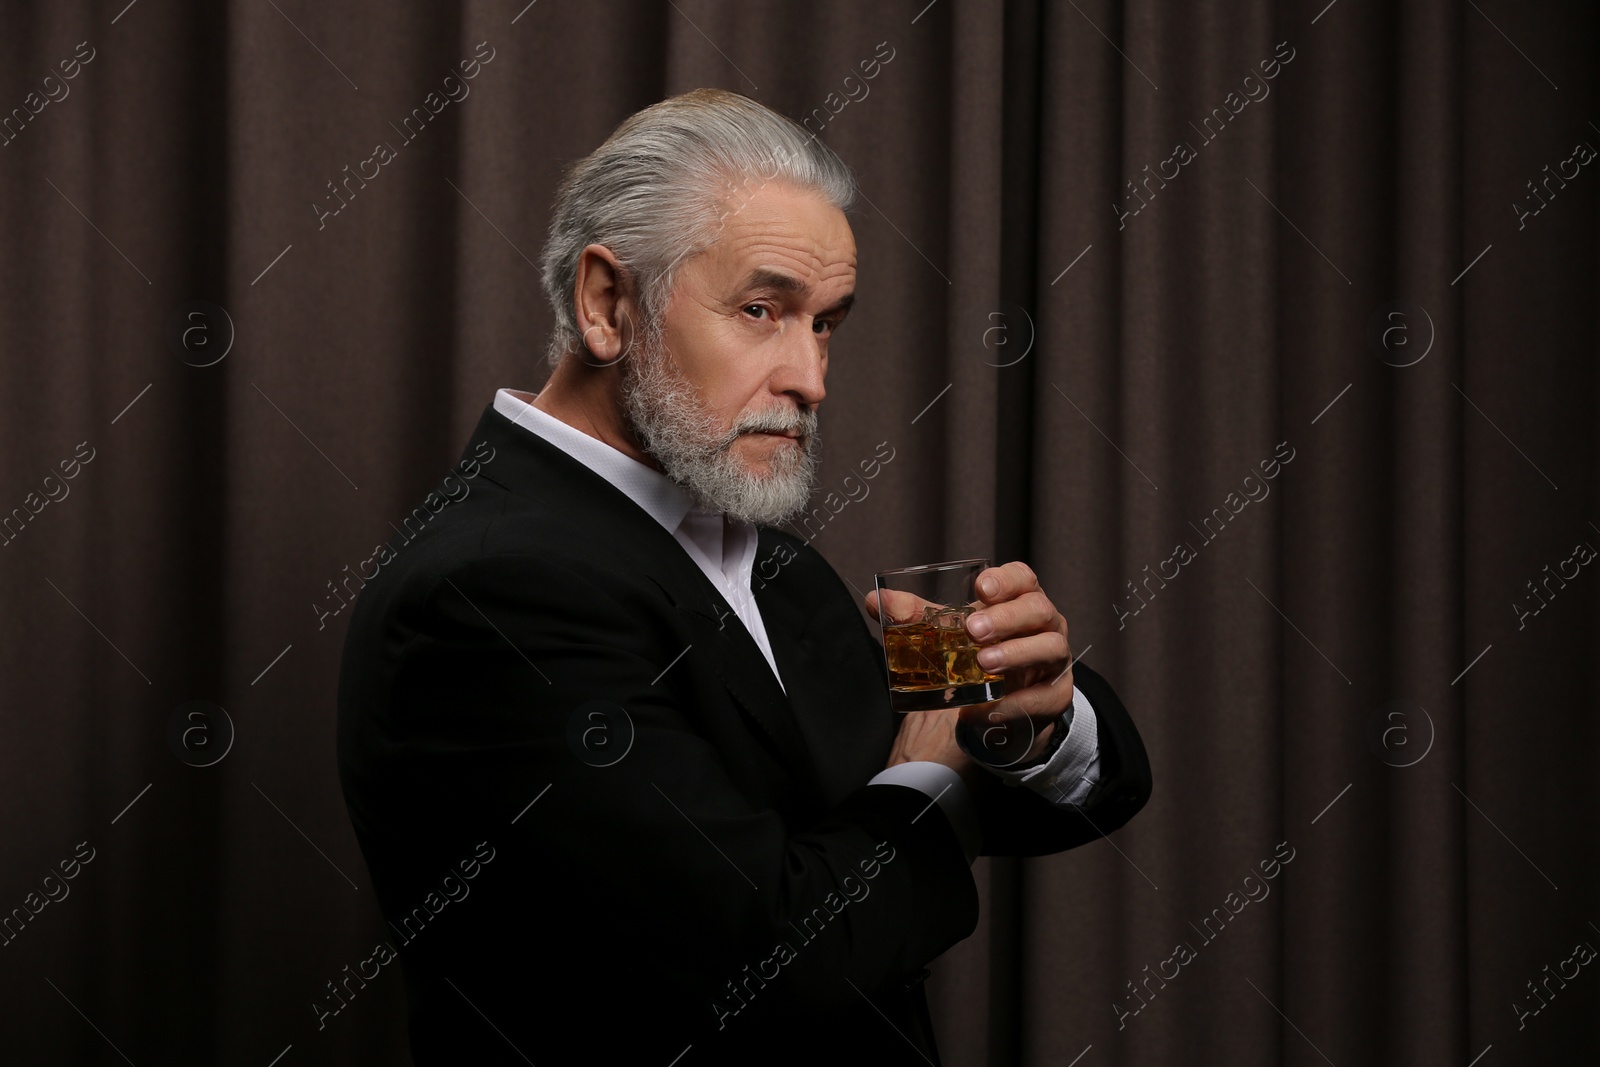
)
(662, 498)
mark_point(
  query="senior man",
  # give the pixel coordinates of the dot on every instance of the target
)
(617, 749)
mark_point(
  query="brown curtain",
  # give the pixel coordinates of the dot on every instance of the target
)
(1265, 333)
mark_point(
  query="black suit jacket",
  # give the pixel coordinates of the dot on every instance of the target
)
(600, 830)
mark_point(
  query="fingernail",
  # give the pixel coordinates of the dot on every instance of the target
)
(979, 625)
(986, 586)
(991, 657)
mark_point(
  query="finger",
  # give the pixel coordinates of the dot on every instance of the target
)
(1006, 582)
(1033, 650)
(1029, 613)
(899, 604)
(1049, 676)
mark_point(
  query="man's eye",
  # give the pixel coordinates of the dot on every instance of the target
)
(757, 307)
(818, 325)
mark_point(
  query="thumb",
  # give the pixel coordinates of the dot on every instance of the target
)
(902, 606)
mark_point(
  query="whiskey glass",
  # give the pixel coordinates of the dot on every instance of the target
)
(932, 659)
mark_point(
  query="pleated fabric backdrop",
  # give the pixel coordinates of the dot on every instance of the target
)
(1265, 333)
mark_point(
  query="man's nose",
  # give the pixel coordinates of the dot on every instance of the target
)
(802, 371)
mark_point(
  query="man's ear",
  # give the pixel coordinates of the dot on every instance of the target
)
(604, 306)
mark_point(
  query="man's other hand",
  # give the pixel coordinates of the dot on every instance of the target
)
(931, 735)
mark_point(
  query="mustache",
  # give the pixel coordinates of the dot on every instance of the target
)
(798, 422)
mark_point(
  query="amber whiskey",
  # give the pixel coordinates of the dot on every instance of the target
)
(934, 655)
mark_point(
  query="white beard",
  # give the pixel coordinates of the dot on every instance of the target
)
(665, 414)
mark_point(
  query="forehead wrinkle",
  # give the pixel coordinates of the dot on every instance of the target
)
(768, 278)
(798, 248)
(788, 270)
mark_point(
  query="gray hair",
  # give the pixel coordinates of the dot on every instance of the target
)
(657, 192)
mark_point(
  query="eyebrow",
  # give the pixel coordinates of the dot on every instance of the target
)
(779, 282)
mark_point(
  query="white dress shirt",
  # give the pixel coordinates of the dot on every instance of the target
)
(724, 549)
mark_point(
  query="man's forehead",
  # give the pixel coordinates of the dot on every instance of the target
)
(779, 236)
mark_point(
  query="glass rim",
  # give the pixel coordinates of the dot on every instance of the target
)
(928, 567)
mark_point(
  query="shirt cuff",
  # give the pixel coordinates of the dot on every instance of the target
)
(945, 788)
(1072, 771)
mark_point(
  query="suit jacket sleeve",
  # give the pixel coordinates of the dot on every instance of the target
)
(1017, 821)
(512, 659)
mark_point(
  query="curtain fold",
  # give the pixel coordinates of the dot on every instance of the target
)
(1264, 333)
